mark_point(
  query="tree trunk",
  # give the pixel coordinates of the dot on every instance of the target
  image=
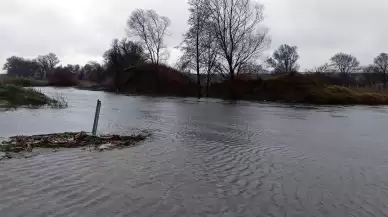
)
(207, 83)
(231, 74)
(385, 80)
(199, 93)
(117, 81)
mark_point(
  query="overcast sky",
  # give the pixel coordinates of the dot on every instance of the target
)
(81, 30)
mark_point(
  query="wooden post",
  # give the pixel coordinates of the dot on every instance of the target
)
(96, 117)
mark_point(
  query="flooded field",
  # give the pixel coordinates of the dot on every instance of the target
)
(204, 158)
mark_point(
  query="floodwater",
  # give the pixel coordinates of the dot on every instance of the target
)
(205, 158)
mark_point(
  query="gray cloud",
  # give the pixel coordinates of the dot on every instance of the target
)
(322, 28)
(81, 30)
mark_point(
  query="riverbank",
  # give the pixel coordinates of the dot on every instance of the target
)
(26, 144)
(303, 89)
(298, 88)
(295, 88)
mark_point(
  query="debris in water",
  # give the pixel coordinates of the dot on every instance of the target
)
(18, 144)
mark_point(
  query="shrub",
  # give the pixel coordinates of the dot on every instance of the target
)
(58, 101)
(156, 80)
(63, 79)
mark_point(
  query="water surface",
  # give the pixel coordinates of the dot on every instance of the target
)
(205, 158)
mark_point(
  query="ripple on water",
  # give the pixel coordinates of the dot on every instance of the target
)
(205, 158)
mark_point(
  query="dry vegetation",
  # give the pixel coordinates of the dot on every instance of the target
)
(298, 88)
(19, 144)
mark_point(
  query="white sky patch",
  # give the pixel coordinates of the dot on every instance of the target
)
(77, 30)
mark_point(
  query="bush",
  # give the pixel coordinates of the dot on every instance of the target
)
(155, 80)
(58, 101)
(239, 89)
(63, 79)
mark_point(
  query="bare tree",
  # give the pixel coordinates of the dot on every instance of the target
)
(368, 72)
(325, 68)
(284, 59)
(193, 39)
(237, 32)
(150, 28)
(210, 57)
(47, 64)
(344, 63)
(252, 69)
(381, 66)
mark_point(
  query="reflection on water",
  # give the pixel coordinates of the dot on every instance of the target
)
(205, 158)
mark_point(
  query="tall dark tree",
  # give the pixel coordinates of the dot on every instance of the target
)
(381, 66)
(344, 64)
(94, 71)
(121, 55)
(195, 36)
(284, 59)
(210, 56)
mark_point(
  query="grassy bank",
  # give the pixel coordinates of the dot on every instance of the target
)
(297, 89)
(12, 96)
(306, 89)
(161, 80)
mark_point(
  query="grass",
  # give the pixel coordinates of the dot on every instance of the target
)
(298, 89)
(12, 96)
(341, 95)
(58, 101)
(303, 89)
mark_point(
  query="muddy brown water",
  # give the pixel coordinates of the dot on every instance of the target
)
(205, 158)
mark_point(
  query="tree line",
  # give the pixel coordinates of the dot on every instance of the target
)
(121, 54)
(284, 61)
(225, 37)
